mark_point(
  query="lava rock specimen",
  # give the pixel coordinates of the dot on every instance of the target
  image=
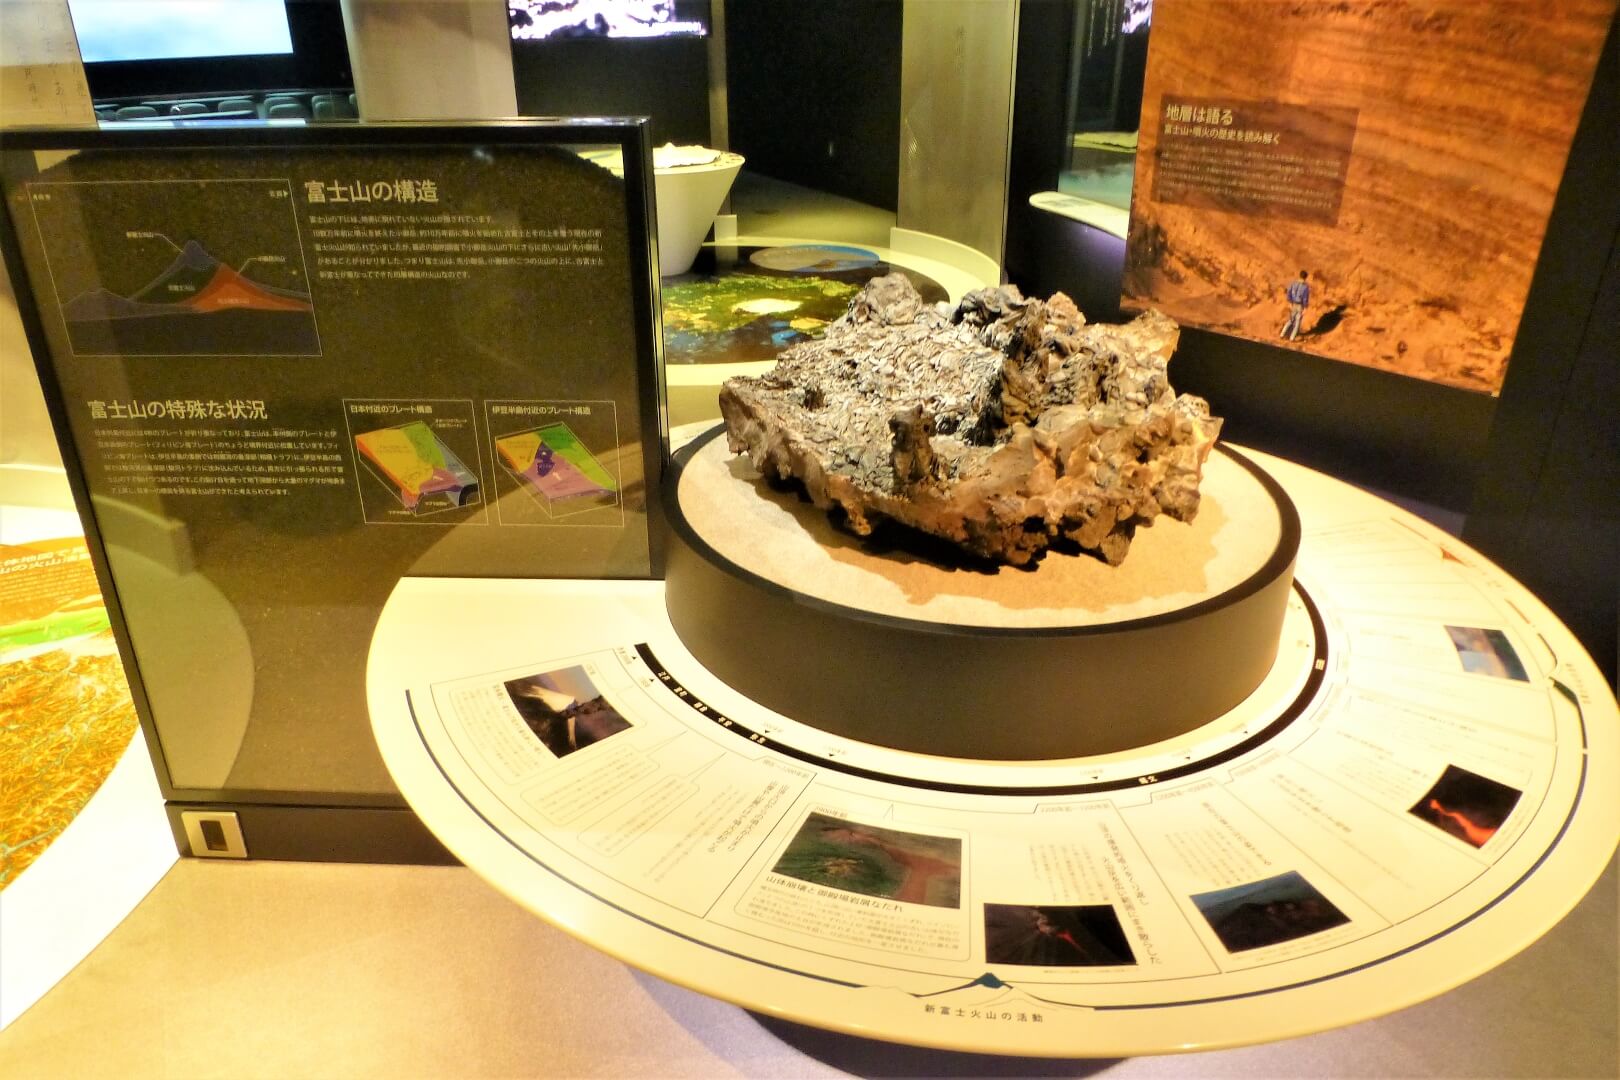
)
(1002, 426)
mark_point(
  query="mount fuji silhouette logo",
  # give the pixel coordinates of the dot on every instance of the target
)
(198, 306)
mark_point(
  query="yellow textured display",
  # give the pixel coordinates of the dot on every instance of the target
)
(65, 711)
(65, 719)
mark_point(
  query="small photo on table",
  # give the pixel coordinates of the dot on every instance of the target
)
(1466, 805)
(1053, 935)
(565, 710)
(1268, 912)
(875, 861)
(1487, 652)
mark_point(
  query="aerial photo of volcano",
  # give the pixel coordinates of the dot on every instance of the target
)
(198, 306)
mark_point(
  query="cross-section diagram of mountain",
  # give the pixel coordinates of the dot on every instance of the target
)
(197, 306)
(176, 266)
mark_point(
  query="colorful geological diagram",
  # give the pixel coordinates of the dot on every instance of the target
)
(196, 306)
(173, 265)
(556, 468)
(421, 471)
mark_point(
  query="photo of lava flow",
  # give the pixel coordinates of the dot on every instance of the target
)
(910, 867)
(1466, 805)
(177, 268)
(1088, 935)
(1367, 181)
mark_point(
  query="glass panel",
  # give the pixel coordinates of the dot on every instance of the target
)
(1106, 64)
(295, 375)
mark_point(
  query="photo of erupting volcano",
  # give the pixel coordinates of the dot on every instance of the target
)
(1087, 935)
(1466, 805)
(227, 281)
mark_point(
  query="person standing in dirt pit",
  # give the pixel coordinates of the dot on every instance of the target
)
(1299, 298)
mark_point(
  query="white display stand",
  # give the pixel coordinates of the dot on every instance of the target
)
(1392, 813)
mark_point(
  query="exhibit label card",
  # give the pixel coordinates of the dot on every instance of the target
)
(292, 374)
(1363, 181)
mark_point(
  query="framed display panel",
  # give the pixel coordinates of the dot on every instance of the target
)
(1384, 205)
(1397, 432)
(288, 366)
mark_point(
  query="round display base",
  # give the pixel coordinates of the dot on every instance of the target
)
(933, 654)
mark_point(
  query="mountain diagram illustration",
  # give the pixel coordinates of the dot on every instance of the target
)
(197, 306)
(207, 284)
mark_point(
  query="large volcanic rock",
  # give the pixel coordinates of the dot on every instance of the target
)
(1002, 427)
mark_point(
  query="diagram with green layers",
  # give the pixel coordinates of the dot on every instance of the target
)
(555, 467)
(415, 465)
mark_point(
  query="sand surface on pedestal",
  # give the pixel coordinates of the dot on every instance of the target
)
(781, 537)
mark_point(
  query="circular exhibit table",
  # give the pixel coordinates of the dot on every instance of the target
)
(1425, 780)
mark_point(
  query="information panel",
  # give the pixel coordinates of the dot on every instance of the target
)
(1362, 181)
(295, 365)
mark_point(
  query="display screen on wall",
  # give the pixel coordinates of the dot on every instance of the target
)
(114, 30)
(292, 367)
(538, 20)
(1366, 181)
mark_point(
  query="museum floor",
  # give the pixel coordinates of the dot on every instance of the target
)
(280, 970)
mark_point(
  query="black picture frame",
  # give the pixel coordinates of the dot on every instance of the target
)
(301, 823)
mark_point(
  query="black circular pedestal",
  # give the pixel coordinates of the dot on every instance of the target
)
(1070, 659)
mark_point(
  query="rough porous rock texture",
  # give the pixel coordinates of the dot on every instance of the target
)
(1001, 426)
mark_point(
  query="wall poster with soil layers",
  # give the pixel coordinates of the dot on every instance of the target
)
(1366, 180)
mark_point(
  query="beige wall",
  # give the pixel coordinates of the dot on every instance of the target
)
(26, 437)
(430, 59)
(955, 119)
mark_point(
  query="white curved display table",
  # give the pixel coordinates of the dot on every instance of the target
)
(1427, 782)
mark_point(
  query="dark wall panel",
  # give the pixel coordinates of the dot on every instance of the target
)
(814, 93)
(1548, 502)
(664, 78)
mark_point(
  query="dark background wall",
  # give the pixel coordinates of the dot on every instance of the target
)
(664, 78)
(814, 93)
(1547, 504)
